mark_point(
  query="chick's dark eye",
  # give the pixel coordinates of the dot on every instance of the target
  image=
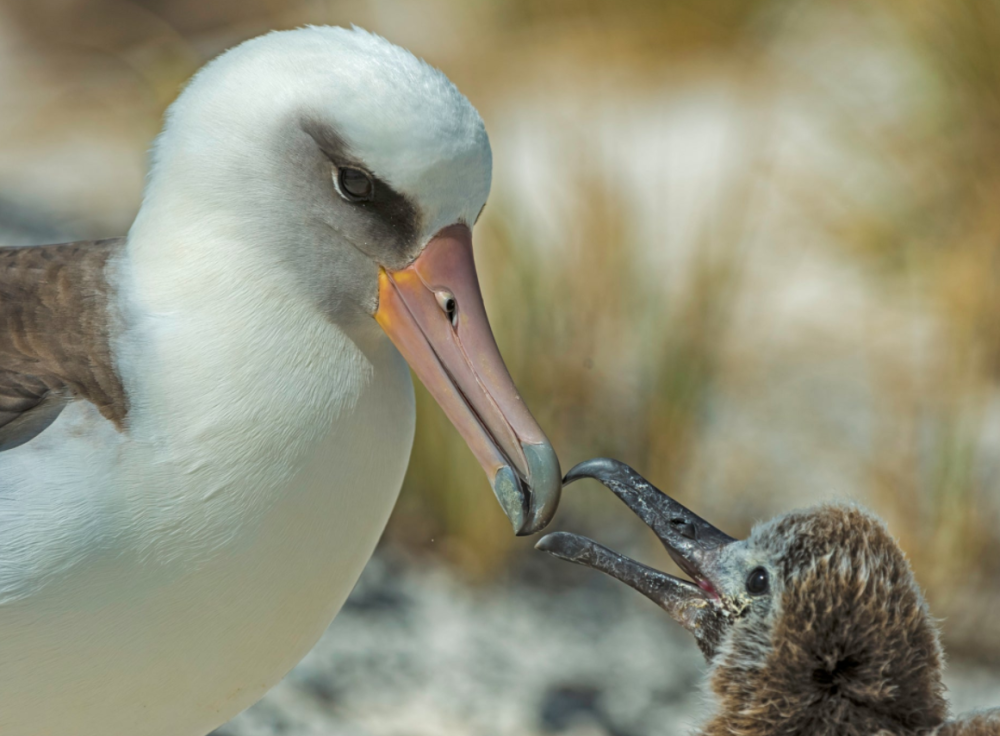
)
(355, 184)
(757, 581)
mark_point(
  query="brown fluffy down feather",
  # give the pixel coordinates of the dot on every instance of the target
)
(976, 724)
(850, 649)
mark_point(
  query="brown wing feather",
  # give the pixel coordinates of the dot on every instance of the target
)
(55, 332)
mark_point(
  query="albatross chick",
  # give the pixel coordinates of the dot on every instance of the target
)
(813, 625)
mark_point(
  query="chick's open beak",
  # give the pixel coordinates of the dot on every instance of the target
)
(433, 312)
(690, 540)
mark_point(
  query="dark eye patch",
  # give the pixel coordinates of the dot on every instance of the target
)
(389, 217)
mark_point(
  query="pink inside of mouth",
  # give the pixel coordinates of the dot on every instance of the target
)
(708, 588)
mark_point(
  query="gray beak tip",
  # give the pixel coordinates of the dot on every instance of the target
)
(548, 543)
(508, 493)
(601, 468)
(539, 518)
(563, 545)
(545, 490)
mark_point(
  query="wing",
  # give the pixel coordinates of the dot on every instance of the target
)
(55, 336)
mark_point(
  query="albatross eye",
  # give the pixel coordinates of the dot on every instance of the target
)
(354, 184)
(757, 582)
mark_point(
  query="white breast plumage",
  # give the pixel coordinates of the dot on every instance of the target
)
(204, 426)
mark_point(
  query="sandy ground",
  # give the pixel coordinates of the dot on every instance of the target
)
(554, 650)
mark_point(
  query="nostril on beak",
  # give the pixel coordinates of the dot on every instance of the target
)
(684, 527)
(449, 305)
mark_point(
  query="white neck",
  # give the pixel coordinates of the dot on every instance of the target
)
(247, 370)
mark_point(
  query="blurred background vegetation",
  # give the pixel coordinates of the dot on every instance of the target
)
(751, 247)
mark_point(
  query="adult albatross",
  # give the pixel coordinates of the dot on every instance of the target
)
(205, 425)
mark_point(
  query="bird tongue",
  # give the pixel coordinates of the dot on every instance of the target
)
(708, 588)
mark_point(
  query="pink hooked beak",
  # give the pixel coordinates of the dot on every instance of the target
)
(433, 312)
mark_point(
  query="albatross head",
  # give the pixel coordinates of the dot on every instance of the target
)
(352, 172)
